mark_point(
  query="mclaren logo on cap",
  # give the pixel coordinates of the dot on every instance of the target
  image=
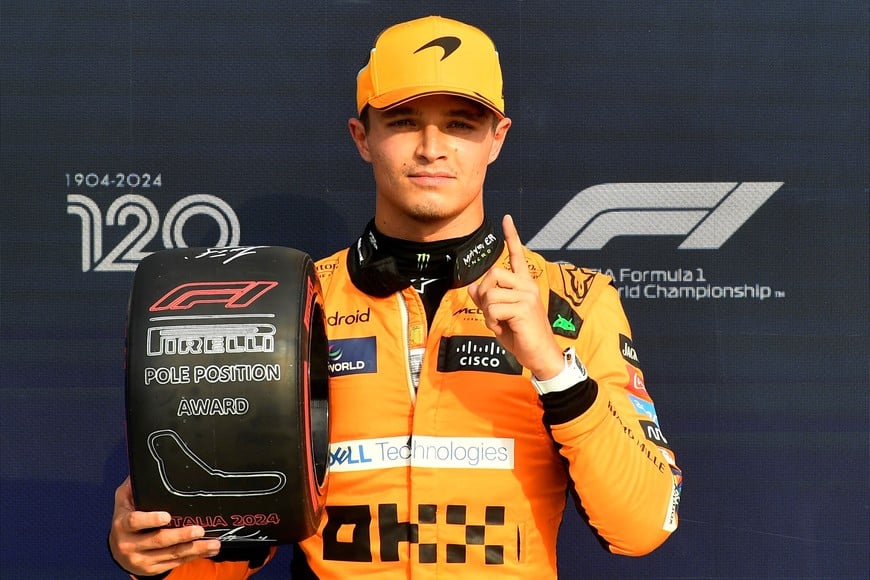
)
(448, 43)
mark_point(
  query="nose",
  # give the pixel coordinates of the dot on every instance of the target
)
(432, 143)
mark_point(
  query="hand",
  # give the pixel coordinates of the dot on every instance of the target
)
(142, 546)
(513, 310)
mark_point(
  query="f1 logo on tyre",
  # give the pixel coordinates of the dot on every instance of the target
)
(706, 213)
(240, 294)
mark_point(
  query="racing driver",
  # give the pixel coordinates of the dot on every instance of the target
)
(494, 383)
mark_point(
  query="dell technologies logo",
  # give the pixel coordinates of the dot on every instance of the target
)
(707, 214)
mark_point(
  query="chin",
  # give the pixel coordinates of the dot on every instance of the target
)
(428, 214)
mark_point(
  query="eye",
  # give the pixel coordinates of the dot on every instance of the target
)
(401, 123)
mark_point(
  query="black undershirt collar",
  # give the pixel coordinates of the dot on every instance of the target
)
(380, 265)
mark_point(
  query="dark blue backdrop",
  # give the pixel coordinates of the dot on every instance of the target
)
(241, 109)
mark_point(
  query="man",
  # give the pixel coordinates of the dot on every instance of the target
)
(479, 412)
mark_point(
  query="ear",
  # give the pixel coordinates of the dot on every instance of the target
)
(358, 134)
(498, 137)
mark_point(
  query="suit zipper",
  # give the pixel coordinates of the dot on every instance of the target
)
(403, 310)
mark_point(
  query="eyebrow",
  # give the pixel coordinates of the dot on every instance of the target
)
(469, 113)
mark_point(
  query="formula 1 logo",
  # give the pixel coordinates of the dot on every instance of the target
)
(707, 214)
(237, 294)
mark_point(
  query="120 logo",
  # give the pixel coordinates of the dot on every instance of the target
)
(140, 216)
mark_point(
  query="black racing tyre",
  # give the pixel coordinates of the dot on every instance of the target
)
(227, 398)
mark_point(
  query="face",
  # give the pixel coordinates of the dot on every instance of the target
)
(429, 159)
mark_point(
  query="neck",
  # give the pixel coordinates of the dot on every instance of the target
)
(427, 229)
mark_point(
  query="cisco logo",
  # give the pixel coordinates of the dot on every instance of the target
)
(475, 353)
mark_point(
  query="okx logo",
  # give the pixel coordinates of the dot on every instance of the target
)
(707, 214)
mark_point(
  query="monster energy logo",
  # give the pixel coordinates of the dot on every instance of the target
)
(423, 260)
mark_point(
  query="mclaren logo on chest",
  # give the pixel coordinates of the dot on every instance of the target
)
(475, 353)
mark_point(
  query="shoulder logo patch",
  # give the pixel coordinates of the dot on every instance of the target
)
(563, 319)
(626, 348)
(576, 282)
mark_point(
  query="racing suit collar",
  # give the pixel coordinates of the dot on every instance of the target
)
(375, 272)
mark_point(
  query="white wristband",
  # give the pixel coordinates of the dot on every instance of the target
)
(573, 373)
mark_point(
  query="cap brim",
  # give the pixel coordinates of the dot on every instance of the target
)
(398, 97)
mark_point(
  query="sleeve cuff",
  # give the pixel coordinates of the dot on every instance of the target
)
(564, 406)
(573, 373)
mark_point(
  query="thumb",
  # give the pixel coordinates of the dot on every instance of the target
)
(124, 496)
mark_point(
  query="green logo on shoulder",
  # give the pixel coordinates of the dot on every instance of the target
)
(565, 324)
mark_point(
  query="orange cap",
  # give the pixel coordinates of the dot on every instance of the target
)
(431, 55)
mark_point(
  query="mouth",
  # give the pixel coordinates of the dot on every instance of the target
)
(430, 178)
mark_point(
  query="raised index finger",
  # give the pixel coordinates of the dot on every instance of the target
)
(515, 247)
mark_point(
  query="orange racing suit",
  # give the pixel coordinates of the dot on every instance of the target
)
(444, 460)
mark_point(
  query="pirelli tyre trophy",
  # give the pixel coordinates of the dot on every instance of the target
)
(226, 391)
